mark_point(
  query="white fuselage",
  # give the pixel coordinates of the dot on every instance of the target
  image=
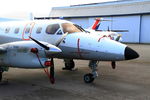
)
(76, 45)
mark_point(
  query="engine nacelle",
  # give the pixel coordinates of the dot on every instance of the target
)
(18, 54)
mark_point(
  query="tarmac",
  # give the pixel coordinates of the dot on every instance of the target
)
(129, 81)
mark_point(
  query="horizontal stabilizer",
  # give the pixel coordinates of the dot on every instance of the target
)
(114, 30)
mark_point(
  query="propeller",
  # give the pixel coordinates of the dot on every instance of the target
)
(45, 46)
(113, 64)
(39, 43)
(52, 72)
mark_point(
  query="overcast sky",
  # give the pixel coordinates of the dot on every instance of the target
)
(22, 8)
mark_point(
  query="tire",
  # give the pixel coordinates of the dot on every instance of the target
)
(69, 66)
(88, 78)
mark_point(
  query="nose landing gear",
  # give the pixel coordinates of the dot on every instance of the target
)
(89, 78)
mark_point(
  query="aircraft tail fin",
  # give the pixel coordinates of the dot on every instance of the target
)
(97, 23)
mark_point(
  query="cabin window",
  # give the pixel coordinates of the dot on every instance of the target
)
(7, 30)
(39, 29)
(16, 30)
(70, 28)
(52, 29)
(27, 30)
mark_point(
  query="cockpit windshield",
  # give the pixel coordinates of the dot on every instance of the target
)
(67, 27)
(70, 28)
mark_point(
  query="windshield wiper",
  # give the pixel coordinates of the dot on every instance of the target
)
(81, 29)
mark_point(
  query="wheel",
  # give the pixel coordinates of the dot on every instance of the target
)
(69, 66)
(88, 78)
(0, 76)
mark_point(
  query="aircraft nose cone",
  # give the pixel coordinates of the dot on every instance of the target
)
(130, 54)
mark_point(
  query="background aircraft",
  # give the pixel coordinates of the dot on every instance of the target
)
(112, 34)
(34, 44)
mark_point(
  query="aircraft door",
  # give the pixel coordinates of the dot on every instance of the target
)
(27, 31)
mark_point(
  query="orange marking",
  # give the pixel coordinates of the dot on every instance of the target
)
(23, 34)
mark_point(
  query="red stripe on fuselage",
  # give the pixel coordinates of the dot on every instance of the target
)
(78, 46)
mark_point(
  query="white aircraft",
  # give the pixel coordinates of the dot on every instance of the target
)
(112, 34)
(34, 44)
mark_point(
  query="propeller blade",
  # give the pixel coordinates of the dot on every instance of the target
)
(39, 43)
(113, 64)
(59, 41)
(52, 72)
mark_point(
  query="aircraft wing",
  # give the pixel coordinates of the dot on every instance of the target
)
(27, 54)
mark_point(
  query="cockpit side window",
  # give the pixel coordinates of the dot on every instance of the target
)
(39, 29)
(52, 29)
(70, 28)
(16, 30)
